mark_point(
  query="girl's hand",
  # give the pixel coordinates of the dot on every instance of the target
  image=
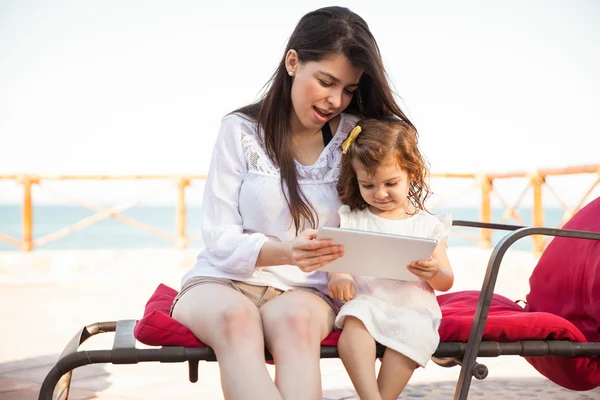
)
(309, 254)
(425, 269)
(341, 286)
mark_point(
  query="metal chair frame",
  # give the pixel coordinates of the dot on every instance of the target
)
(56, 385)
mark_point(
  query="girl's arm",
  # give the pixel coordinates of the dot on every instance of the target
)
(436, 270)
(341, 286)
(443, 280)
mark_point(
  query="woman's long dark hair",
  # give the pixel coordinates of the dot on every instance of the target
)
(326, 31)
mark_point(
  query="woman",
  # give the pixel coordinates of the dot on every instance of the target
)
(271, 183)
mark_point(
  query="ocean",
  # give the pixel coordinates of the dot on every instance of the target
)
(112, 234)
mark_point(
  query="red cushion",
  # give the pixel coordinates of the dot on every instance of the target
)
(157, 328)
(506, 322)
(566, 282)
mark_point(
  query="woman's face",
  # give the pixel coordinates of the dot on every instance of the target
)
(320, 89)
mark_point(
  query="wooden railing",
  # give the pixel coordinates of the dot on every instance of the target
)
(536, 181)
(27, 243)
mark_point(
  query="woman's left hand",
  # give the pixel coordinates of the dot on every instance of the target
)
(425, 269)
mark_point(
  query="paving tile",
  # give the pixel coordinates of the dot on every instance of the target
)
(339, 394)
(30, 393)
(28, 363)
(38, 374)
(7, 385)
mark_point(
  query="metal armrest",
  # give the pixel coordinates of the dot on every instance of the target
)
(486, 225)
(487, 290)
(57, 382)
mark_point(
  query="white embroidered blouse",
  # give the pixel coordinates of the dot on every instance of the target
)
(244, 206)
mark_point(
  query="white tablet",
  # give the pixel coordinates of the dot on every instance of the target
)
(381, 255)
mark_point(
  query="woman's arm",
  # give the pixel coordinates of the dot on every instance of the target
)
(229, 248)
(305, 252)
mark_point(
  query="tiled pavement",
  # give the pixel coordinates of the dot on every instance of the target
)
(38, 319)
(21, 380)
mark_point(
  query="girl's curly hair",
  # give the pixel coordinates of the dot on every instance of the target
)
(378, 139)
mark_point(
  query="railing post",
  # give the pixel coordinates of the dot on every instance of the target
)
(485, 215)
(537, 182)
(180, 217)
(27, 213)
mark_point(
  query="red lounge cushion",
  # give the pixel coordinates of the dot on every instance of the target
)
(566, 282)
(332, 339)
(157, 328)
(506, 322)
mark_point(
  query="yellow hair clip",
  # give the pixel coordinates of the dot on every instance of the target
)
(353, 134)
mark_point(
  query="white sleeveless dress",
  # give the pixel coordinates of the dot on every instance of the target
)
(401, 315)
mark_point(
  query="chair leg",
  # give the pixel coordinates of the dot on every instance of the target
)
(193, 370)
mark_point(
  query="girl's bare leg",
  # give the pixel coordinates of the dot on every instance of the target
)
(395, 372)
(230, 323)
(295, 323)
(357, 351)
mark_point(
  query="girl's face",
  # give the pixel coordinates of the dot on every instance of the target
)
(385, 191)
(320, 89)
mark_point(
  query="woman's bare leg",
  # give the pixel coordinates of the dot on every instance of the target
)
(357, 351)
(230, 323)
(295, 323)
(395, 372)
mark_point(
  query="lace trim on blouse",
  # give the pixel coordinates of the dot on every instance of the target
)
(325, 170)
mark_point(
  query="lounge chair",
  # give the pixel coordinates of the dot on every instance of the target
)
(558, 331)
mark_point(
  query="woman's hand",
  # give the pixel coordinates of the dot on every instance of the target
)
(425, 269)
(309, 254)
(341, 286)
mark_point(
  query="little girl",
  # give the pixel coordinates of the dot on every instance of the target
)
(383, 187)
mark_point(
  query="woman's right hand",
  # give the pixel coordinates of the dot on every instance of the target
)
(308, 253)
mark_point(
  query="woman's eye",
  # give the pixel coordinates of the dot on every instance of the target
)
(391, 184)
(325, 84)
(350, 91)
(367, 186)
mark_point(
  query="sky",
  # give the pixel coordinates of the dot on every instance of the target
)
(140, 87)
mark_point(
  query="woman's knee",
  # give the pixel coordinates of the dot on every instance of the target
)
(228, 320)
(237, 322)
(293, 323)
